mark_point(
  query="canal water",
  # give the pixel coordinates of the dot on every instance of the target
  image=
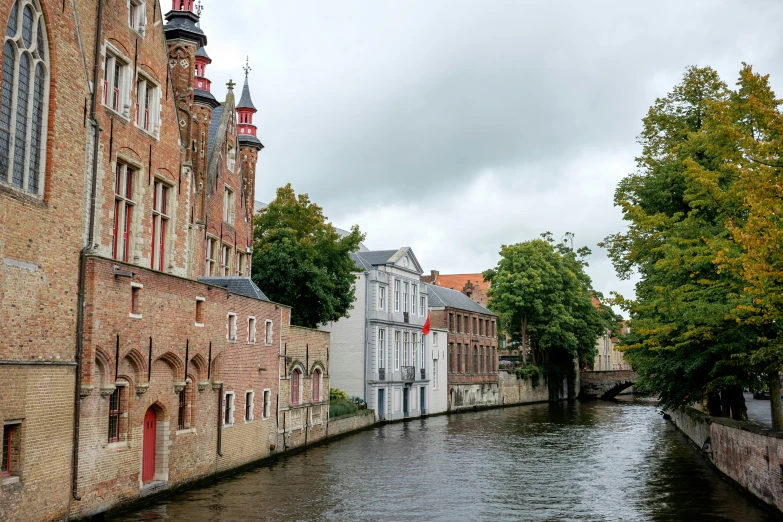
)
(578, 461)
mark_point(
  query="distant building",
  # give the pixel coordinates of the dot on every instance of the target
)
(472, 285)
(378, 352)
(472, 347)
(437, 341)
(609, 357)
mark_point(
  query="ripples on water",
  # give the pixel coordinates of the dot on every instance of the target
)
(564, 461)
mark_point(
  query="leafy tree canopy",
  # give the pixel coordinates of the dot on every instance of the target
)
(300, 260)
(543, 297)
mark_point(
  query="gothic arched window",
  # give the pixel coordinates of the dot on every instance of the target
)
(23, 94)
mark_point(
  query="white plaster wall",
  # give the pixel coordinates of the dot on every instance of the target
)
(439, 394)
(346, 354)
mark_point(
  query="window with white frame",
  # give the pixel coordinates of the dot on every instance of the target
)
(251, 329)
(137, 15)
(160, 224)
(434, 339)
(25, 90)
(225, 260)
(381, 297)
(212, 248)
(396, 295)
(405, 348)
(147, 105)
(200, 311)
(231, 327)
(124, 183)
(267, 403)
(414, 296)
(228, 206)
(316, 382)
(415, 348)
(268, 333)
(434, 376)
(405, 292)
(296, 386)
(381, 348)
(116, 80)
(228, 409)
(422, 359)
(249, 400)
(422, 306)
(241, 263)
(397, 350)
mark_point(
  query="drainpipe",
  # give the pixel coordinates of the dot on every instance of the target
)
(77, 403)
(220, 422)
(366, 320)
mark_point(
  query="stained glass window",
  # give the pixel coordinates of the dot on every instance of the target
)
(23, 98)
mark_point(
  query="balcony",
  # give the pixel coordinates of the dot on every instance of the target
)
(408, 373)
(381, 374)
(423, 374)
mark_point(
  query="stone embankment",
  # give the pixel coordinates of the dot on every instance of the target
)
(749, 454)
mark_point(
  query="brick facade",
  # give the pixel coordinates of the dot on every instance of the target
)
(471, 356)
(159, 361)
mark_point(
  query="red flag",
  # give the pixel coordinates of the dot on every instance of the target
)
(426, 328)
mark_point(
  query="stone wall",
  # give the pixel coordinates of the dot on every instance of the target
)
(750, 455)
(513, 390)
(354, 422)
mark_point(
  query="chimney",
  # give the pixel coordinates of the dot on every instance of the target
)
(434, 276)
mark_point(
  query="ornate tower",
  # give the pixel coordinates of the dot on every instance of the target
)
(249, 144)
(184, 37)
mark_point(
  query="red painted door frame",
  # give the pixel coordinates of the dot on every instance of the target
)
(148, 446)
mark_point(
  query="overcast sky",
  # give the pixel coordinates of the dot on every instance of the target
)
(454, 127)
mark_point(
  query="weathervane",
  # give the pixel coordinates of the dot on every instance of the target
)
(199, 8)
(247, 67)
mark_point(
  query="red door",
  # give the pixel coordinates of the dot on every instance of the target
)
(148, 450)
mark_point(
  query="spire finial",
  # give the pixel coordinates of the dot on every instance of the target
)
(230, 85)
(199, 8)
(247, 67)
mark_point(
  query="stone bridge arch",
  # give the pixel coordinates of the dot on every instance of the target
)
(605, 385)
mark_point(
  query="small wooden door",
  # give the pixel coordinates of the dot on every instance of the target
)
(148, 449)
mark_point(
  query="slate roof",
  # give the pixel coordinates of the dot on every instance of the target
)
(445, 297)
(258, 206)
(370, 258)
(184, 24)
(248, 139)
(236, 284)
(217, 113)
(202, 53)
(205, 97)
(245, 102)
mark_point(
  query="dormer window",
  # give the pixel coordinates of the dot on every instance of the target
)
(137, 16)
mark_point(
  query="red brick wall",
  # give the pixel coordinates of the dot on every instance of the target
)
(306, 421)
(110, 473)
(469, 375)
(40, 240)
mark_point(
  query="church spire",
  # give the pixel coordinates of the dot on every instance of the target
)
(246, 131)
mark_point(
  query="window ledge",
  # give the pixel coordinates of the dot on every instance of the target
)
(228, 425)
(251, 342)
(124, 118)
(10, 480)
(249, 421)
(152, 135)
(134, 316)
(231, 340)
(117, 445)
(268, 344)
(185, 431)
(200, 325)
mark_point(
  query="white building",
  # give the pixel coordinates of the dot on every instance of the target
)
(437, 341)
(378, 352)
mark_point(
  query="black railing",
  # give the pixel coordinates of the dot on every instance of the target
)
(408, 373)
(423, 374)
(381, 374)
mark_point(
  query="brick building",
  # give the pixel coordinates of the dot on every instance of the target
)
(135, 352)
(472, 347)
(472, 285)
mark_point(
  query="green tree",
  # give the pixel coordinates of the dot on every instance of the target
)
(747, 129)
(543, 297)
(300, 260)
(684, 339)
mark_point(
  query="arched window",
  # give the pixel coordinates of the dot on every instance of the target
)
(23, 94)
(296, 379)
(317, 386)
